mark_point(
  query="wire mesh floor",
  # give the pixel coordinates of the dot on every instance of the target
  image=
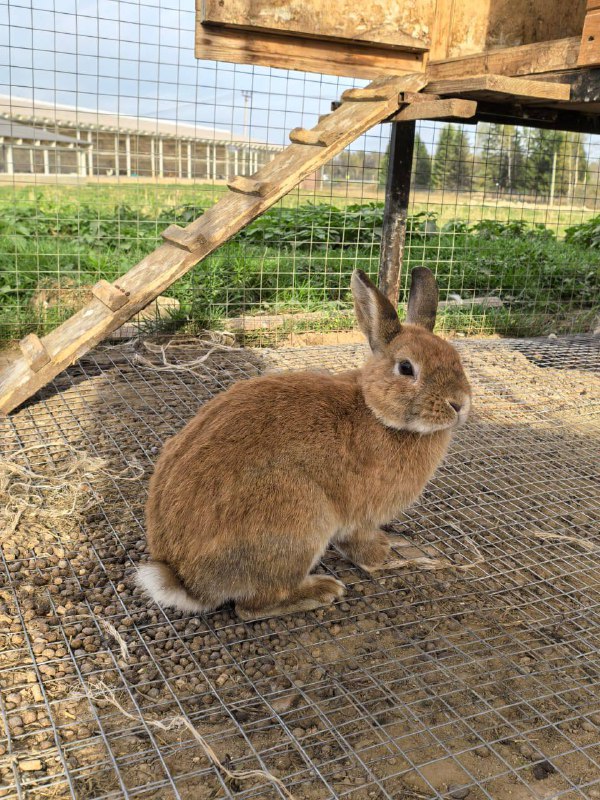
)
(478, 679)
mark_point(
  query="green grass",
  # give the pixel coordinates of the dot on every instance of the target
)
(294, 258)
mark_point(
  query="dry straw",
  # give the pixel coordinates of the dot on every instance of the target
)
(173, 366)
(60, 492)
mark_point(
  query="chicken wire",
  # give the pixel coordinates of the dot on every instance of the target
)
(470, 672)
(112, 131)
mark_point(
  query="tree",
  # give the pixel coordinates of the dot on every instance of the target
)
(500, 158)
(441, 168)
(453, 160)
(421, 165)
(541, 165)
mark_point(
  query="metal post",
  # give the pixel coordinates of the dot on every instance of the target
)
(10, 162)
(90, 154)
(128, 155)
(397, 194)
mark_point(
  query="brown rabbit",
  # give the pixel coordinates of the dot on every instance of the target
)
(245, 499)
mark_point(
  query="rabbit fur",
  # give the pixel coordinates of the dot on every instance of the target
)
(246, 498)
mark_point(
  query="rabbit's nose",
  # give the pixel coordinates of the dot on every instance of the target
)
(456, 406)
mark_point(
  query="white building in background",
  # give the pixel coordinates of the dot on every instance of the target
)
(48, 139)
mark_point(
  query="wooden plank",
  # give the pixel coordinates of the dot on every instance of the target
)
(110, 295)
(442, 26)
(589, 52)
(526, 60)
(364, 95)
(479, 27)
(158, 270)
(326, 56)
(34, 352)
(437, 109)
(395, 23)
(492, 87)
(584, 83)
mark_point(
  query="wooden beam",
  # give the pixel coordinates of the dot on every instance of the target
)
(395, 215)
(535, 117)
(382, 26)
(584, 84)
(589, 52)
(436, 109)
(363, 96)
(500, 87)
(328, 57)
(529, 59)
(158, 270)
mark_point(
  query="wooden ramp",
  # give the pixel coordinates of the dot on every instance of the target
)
(388, 98)
(113, 304)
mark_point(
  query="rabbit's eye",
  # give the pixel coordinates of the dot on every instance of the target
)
(404, 368)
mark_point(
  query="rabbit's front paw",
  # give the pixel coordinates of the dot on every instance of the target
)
(367, 550)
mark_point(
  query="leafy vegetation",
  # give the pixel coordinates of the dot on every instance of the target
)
(299, 259)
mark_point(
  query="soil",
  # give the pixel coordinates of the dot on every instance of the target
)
(480, 679)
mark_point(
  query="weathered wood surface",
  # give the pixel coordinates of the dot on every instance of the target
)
(476, 27)
(397, 195)
(436, 109)
(395, 23)
(500, 88)
(530, 59)
(34, 352)
(589, 52)
(346, 38)
(110, 295)
(325, 56)
(310, 137)
(167, 263)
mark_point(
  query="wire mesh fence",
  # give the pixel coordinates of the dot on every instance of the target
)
(471, 672)
(112, 131)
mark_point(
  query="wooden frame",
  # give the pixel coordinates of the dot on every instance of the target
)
(494, 85)
(447, 37)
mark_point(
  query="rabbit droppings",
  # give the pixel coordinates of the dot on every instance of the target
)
(245, 499)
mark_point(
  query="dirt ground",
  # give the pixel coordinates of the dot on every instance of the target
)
(477, 679)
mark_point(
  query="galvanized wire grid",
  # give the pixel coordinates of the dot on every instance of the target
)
(150, 135)
(478, 680)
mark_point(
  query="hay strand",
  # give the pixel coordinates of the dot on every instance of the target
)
(563, 537)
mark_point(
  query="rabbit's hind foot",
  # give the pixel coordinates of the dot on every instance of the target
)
(314, 591)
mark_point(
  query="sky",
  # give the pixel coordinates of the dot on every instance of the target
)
(137, 58)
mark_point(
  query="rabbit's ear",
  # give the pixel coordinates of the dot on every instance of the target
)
(422, 299)
(376, 316)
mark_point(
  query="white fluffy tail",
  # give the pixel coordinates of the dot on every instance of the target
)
(165, 588)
